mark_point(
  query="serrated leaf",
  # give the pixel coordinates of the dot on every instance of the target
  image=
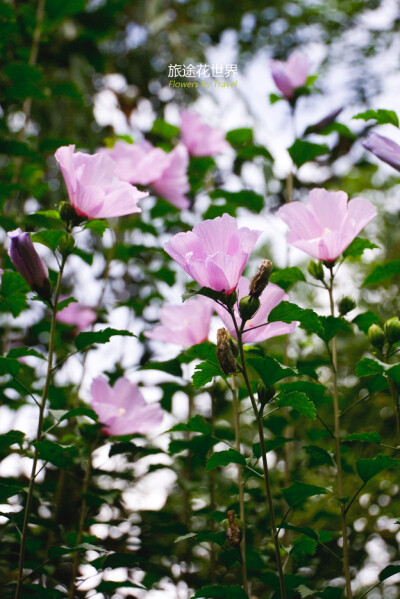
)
(372, 437)
(381, 116)
(13, 293)
(10, 438)
(369, 468)
(288, 312)
(304, 591)
(86, 339)
(196, 424)
(270, 370)
(298, 493)
(59, 455)
(389, 571)
(299, 402)
(303, 547)
(50, 238)
(314, 391)
(382, 272)
(223, 458)
(204, 373)
(332, 326)
(357, 247)
(270, 445)
(286, 276)
(220, 591)
(368, 367)
(305, 151)
(97, 226)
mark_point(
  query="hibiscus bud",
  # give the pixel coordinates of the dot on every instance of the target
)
(248, 306)
(392, 330)
(261, 278)
(376, 336)
(346, 304)
(29, 264)
(315, 270)
(225, 355)
(68, 214)
(265, 394)
(66, 245)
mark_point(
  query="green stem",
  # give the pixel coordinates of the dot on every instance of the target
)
(38, 433)
(240, 486)
(339, 474)
(267, 484)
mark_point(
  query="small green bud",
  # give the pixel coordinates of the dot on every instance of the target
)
(346, 304)
(316, 270)
(68, 214)
(376, 336)
(229, 300)
(265, 394)
(248, 306)
(392, 330)
(261, 278)
(66, 245)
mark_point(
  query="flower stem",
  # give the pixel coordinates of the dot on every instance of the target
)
(339, 474)
(39, 432)
(258, 417)
(240, 486)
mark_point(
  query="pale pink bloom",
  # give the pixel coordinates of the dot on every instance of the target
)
(122, 408)
(199, 138)
(164, 172)
(186, 324)
(93, 187)
(290, 74)
(214, 253)
(78, 315)
(327, 225)
(270, 297)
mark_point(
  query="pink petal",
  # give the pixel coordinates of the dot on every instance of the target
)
(328, 207)
(182, 245)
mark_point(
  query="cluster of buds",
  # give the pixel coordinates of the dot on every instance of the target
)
(390, 333)
(249, 305)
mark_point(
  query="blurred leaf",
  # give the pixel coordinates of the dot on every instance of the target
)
(298, 492)
(286, 276)
(66, 302)
(59, 455)
(164, 129)
(223, 458)
(49, 238)
(382, 272)
(238, 137)
(303, 547)
(20, 352)
(369, 468)
(368, 366)
(332, 325)
(97, 226)
(10, 438)
(171, 366)
(381, 116)
(270, 370)
(365, 320)
(270, 445)
(245, 198)
(9, 366)
(299, 402)
(86, 339)
(389, 571)
(110, 586)
(365, 437)
(196, 424)
(13, 293)
(357, 247)
(318, 456)
(221, 592)
(304, 151)
(287, 312)
(82, 411)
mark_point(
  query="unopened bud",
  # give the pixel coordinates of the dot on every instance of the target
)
(392, 330)
(265, 394)
(261, 278)
(69, 215)
(248, 306)
(346, 304)
(233, 529)
(225, 355)
(315, 270)
(29, 264)
(66, 245)
(376, 336)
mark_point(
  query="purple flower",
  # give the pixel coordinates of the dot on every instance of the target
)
(187, 324)
(164, 172)
(93, 188)
(290, 75)
(215, 253)
(327, 225)
(270, 297)
(384, 148)
(122, 408)
(199, 138)
(28, 263)
(78, 315)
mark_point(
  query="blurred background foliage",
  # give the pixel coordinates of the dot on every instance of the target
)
(56, 58)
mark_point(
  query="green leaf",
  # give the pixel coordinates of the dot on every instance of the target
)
(50, 238)
(13, 293)
(59, 455)
(381, 116)
(332, 326)
(164, 129)
(389, 571)
(66, 415)
(318, 456)
(369, 468)
(110, 586)
(21, 352)
(382, 272)
(10, 489)
(365, 320)
(204, 373)
(357, 247)
(298, 493)
(286, 276)
(305, 151)
(304, 591)
(171, 366)
(372, 437)
(65, 303)
(303, 547)
(314, 391)
(331, 593)
(239, 137)
(10, 438)
(196, 424)
(97, 226)
(223, 458)
(394, 373)
(220, 591)
(9, 366)
(287, 312)
(270, 370)
(299, 402)
(270, 445)
(86, 339)
(245, 198)
(369, 366)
